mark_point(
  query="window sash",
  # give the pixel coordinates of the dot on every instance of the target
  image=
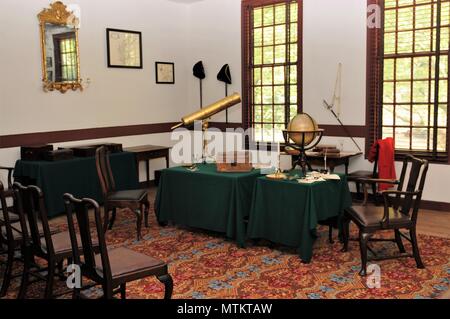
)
(395, 91)
(269, 104)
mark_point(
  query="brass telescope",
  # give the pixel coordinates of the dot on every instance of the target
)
(210, 110)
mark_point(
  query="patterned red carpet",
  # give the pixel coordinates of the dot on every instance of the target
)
(205, 265)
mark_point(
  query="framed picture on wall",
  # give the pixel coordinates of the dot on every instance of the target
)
(165, 72)
(124, 49)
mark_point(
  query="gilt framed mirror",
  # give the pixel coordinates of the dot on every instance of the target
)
(60, 49)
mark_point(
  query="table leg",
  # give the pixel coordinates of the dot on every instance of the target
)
(332, 167)
(167, 160)
(147, 166)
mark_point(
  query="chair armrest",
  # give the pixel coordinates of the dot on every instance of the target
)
(377, 180)
(388, 203)
(393, 192)
(10, 172)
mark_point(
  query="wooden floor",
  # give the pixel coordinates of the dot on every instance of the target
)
(435, 224)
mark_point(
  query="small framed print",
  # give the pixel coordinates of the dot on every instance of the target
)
(124, 49)
(165, 72)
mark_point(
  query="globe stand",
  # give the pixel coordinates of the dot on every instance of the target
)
(302, 148)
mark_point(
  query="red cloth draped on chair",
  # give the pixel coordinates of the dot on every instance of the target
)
(386, 160)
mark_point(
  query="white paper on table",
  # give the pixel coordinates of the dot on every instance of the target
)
(310, 181)
(333, 177)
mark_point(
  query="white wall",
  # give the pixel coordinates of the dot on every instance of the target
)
(215, 38)
(209, 30)
(115, 97)
(334, 31)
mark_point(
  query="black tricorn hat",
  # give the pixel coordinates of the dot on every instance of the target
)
(199, 70)
(224, 74)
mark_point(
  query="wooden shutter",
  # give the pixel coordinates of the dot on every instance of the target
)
(374, 90)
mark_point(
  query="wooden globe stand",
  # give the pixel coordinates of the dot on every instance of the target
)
(302, 148)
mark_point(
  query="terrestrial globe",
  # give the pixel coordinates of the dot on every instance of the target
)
(302, 123)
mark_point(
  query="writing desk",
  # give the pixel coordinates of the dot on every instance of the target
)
(145, 153)
(333, 160)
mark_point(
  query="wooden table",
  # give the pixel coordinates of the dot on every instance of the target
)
(206, 199)
(148, 152)
(333, 160)
(77, 176)
(288, 212)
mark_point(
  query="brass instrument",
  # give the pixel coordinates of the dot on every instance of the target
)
(205, 113)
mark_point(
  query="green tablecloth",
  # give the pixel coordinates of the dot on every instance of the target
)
(206, 199)
(288, 213)
(77, 176)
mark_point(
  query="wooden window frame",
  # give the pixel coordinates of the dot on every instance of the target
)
(246, 20)
(374, 91)
(57, 39)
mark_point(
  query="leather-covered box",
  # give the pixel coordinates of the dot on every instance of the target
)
(84, 151)
(59, 155)
(34, 152)
(234, 162)
(89, 150)
(113, 147)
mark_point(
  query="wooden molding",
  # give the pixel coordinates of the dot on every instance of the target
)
(16, 140)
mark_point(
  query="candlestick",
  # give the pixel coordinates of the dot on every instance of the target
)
(279, 156)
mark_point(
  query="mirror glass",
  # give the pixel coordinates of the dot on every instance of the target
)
(61, 53)
(60, 49)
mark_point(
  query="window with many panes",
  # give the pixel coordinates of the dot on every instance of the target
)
(272, 70)
(66, 57)
(415, 88)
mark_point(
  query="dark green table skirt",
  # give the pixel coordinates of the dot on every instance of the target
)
(206, 199)
(76, 176)
(288, 213)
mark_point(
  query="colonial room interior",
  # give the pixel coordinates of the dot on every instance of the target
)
(224, 149)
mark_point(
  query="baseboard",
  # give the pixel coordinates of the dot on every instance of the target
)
(425, 204)
(438, 206)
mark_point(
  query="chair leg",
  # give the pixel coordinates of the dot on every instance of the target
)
(106, 219)
(374, 192)
(27, 258)
(358, 190)
(123, 291)
(419, 262)
(168, 284)
(50, 280)
(138, 213)
(330, 234)
(146, 212)
(398, 240)
(113, 219)
(345, 234)
(363, 240)
(107, 292)
(8, 272)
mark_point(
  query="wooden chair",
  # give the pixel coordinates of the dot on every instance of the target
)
(8, 193)
(400, 211)
(13, 235)
(41, 242)
(136, 200)
(112, 268)
(355, 177)
(10, 241)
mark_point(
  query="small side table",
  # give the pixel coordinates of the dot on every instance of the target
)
(148, 152)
